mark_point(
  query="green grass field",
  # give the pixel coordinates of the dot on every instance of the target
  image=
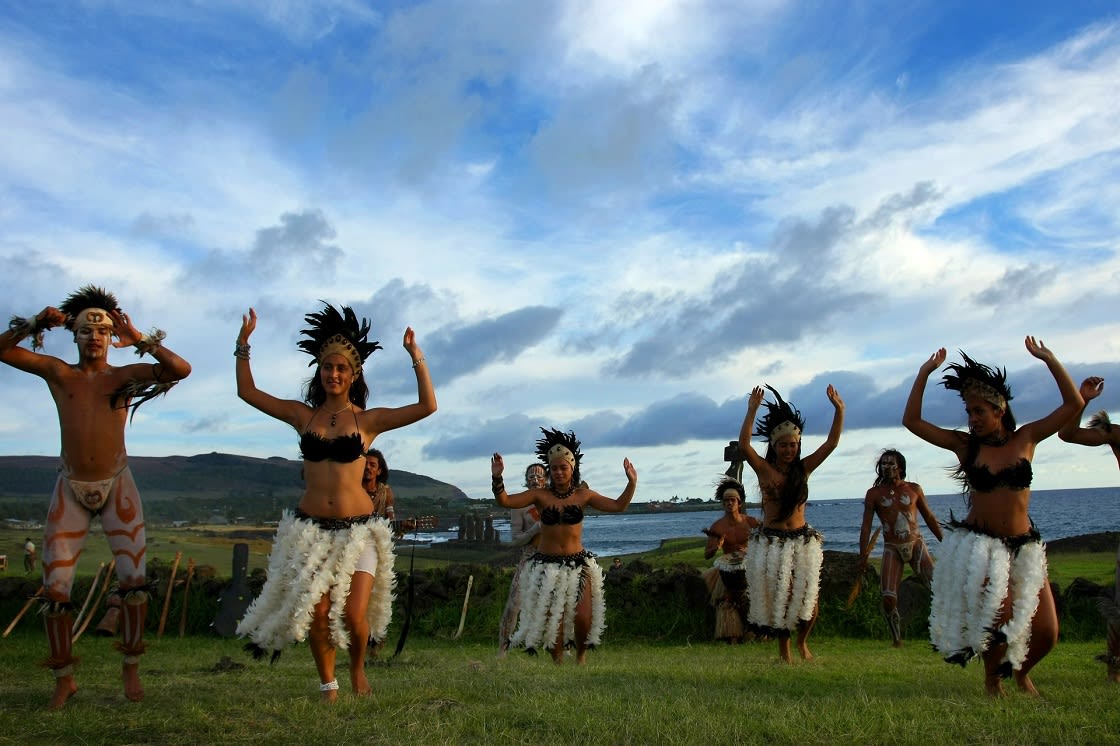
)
(447, 692)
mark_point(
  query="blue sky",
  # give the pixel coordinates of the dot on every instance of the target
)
(615, 217)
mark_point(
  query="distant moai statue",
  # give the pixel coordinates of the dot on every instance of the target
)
(733, 454)
(464, 520)
(491, 536)
(235, 599)
(476, 528)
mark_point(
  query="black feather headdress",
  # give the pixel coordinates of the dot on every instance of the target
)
(332, 331)
(777, 414)
(558, 443)
(85, 298)
(971, 378)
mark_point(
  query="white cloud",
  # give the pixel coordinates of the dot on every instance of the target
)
(646, 206)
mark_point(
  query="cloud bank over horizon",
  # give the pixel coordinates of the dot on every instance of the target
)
(616, 218)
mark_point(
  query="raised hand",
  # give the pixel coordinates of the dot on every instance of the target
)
(410, 342)
(1038, 349)
(50, 317)
(1091, 387)
(936, 360)
(248, 324)
(497, 465)
(631, 472)
(755, 399)
(126, 334)
(834, 397)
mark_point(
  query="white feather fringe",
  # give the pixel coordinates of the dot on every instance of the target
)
(783, 579)
(973, 577)
(308, 562)
(550, 592)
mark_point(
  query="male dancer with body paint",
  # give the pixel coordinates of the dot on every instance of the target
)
(93, 398)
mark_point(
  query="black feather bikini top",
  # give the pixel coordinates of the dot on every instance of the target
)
(1016, 477)
(570, 515)
(343, 449)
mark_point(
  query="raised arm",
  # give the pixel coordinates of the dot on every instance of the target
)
(498, 487)
(168, 366)
(18, 330)
(912, 415)
(754, 401)
(286, 410)
(1071, 431)
(817, 457)
(1072, 403)
(619, 504)
(390, 418)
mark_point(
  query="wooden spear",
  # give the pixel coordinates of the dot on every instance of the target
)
(186, 595)
(463, 616)
(89, 595)
(23, 611)
(97, 601)
(167, 596)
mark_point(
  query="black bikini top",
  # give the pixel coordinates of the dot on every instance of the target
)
(1016, 477)
(570, 515)
(343, 449)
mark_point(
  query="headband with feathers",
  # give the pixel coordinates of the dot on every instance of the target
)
(330, 331)
(777, 414)
(556, 441)
(85, 298)
(971, 378)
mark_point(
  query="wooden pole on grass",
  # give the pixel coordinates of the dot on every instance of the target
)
(463, 616)
(23, 611)
(167, 596)
(186, 595)
(89, 595)
(97, 601)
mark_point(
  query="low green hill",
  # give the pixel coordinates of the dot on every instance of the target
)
(198, 488)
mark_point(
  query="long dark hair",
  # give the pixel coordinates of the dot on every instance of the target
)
(795, 490)
(383, 471)
(897, 457)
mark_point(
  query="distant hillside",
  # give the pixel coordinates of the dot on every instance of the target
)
(196, 487)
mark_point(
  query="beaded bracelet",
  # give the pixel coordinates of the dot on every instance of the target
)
(241, 351)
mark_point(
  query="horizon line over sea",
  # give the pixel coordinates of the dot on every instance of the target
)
(1058, 514)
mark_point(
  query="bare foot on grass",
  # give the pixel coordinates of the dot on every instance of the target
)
(359, 683)
(64, 688)
(993, 687)
(1026, 686)
(784, 651)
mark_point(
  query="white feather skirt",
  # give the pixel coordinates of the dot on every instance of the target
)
(308, 561)
(551, 587)
(973, 577)
(783, 578)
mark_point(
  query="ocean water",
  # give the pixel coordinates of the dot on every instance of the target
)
(1057, 513)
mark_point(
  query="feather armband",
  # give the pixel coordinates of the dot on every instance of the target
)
(150, 342)
(32, 327)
